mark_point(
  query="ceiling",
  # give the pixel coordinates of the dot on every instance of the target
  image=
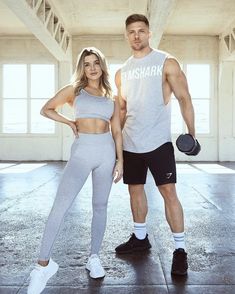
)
(97, 17)
(9, 23)
(200, 17)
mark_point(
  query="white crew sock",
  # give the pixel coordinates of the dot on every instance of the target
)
(140, 230)
(179, 240)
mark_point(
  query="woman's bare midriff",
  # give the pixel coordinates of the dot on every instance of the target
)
(92, 126)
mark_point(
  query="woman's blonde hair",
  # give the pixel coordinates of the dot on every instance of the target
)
(79, 79)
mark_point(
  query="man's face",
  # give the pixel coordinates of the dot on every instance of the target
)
(138, 35)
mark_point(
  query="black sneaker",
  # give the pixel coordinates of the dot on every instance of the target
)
(133, 245)
(179, 262)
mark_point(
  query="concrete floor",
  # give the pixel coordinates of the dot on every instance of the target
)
(207, 193)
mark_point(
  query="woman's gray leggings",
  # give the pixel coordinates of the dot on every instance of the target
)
(89, 153)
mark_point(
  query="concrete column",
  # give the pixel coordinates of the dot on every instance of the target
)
(65, 72)
(226, 111)
(158, 12)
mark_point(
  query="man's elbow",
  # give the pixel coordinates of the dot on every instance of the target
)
(184, 99)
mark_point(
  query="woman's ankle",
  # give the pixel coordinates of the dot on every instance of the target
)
(43, 262)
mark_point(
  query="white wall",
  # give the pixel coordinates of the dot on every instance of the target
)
(185, 48)
(227, 96)
(27, 147)
(114, 47)
(227, 111)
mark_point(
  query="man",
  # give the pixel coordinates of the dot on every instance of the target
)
(145, 84)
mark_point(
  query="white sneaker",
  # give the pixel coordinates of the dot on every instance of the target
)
(40, 275)
(95, 267)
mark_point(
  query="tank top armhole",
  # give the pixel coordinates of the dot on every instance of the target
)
(74, 100)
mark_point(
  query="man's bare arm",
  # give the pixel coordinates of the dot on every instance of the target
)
(177, 81)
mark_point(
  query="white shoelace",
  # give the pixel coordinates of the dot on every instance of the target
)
(39, 271)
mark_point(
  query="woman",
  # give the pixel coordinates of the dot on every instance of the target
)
(94, 150)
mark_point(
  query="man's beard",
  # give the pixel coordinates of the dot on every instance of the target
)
(138, 47)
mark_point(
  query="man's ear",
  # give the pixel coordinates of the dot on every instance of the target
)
(150, 34)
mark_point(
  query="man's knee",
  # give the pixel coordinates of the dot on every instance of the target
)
(136, 190)
(168, 191)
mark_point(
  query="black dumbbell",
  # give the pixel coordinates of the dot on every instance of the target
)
(187, 144)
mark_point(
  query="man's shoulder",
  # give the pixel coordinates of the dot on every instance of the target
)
(161, 52)
(171, 60)
(172, 65)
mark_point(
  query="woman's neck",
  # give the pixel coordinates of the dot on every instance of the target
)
(94, 85)
(94, 90)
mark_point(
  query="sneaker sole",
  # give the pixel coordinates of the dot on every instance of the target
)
(94, 277)
(179, 273)
(134, 250)
(97, 277)
(55, 271)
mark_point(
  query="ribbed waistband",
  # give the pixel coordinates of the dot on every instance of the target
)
(94, 138)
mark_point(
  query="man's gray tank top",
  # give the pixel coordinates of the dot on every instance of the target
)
(148, 119)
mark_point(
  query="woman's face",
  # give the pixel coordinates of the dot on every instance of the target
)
(93, 70)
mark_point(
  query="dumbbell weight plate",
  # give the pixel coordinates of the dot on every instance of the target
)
(187, 144)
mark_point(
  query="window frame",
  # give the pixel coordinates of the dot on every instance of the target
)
(28, 100)
(212, 99)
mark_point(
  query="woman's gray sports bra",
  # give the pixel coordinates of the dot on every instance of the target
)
(90, 106)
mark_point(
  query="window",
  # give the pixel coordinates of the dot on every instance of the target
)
(199, 82)
(113, 68)
(25, 88)
(198, 76)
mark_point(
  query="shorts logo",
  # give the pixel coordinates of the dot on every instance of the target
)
(168, 175)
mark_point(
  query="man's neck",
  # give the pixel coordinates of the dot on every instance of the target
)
(141, 53)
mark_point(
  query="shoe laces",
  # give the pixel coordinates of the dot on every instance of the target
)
(95, 261)
(132, 237)
(179, 256)
(38, 271)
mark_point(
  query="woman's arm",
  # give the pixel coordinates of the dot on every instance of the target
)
(117, 136)
(63, 96)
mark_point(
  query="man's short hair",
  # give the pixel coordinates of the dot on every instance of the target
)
(136, 17)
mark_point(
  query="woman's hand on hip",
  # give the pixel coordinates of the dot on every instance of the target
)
(74, 128)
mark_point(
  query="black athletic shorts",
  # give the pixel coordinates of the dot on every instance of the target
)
(161, 163)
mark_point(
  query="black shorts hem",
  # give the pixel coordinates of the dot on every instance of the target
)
(166, 182)
(133, 183)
